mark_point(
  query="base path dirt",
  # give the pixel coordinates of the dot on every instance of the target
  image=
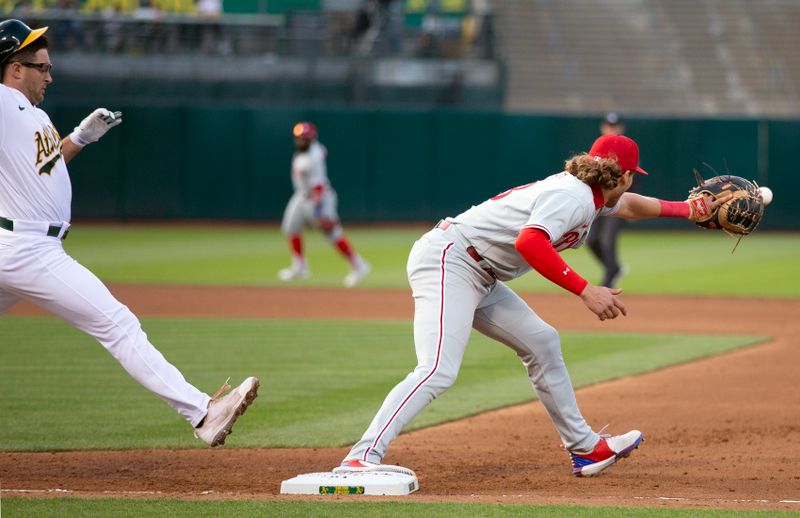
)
(720, 432)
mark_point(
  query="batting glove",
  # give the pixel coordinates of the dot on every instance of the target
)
(95, 126)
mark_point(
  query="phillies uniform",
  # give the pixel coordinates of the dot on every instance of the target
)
(314, 204)
(456, 272)
(35, 203)
(308, 173)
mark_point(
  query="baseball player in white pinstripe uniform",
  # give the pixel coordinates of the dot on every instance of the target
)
(456, 272)
(35, 200)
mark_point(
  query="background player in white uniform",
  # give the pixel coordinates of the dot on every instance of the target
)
(456, 272)
(35, 199)
(314, 203)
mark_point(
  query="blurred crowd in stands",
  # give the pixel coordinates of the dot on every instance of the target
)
(358, 28)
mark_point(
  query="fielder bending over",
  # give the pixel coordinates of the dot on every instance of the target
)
(456, 272)
(35, 200)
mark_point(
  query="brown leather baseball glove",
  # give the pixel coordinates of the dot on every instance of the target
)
(738, 216)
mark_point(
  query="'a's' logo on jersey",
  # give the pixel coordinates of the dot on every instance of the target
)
(48, 167)
(48, 143)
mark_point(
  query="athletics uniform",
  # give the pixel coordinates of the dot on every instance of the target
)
(35, 200)
(34, 218)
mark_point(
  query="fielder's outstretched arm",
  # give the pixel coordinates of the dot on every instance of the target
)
(634, 206)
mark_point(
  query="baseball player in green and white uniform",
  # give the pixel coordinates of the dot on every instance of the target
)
(314, 203)
(456, 272)
(35, 200)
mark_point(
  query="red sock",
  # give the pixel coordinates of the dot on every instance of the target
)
(296, 244)
(345, 247)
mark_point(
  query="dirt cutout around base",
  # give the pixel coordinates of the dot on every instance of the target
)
(722, 432)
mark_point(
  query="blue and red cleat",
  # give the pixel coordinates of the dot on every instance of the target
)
(605, 453)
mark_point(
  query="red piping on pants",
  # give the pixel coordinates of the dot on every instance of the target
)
(435, 365)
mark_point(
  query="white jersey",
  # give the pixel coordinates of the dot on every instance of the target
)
(561, 205)
(309, 170)
(34, 182)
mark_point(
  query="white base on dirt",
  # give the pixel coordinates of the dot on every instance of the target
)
(362, 483)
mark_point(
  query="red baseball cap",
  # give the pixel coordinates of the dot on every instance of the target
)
(305, 130)
(619, 148)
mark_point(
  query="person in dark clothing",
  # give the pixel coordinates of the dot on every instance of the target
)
(604, 234)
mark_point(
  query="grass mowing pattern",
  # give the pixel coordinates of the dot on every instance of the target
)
(86, 508)
(54, 377)
(322, 381)
(765, 264)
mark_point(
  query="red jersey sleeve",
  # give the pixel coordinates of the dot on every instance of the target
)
(534, 246)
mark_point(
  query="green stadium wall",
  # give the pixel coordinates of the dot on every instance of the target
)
(231, 163)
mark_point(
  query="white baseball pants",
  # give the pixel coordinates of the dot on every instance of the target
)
(36, 268)
(452, 295)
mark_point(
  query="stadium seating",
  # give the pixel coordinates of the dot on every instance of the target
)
(673, 57)
(716, 57)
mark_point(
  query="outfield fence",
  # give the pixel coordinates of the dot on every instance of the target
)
(218, 162)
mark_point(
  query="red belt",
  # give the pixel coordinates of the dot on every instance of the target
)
(444, 225)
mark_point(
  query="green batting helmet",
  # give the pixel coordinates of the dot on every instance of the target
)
(15, 35)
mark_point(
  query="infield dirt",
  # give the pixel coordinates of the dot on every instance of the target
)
(722, 432)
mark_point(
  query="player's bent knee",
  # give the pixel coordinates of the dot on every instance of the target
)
(335, 233)
(550, 334)
(439, 382)
(545, 344)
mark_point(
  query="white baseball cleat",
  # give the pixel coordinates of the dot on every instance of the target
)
(360, 466)
(357, 273)
(223, 411)
(294, 273)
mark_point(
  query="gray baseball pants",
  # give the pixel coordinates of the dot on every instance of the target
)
(452, 295)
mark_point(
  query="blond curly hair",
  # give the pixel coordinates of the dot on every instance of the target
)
(591, 170)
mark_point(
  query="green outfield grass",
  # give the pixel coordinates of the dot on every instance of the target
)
(319, 387)
(693, 262)
(322, 380)
(23, 507)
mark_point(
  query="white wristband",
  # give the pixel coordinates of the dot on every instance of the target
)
(77, 140)
(95, 126)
